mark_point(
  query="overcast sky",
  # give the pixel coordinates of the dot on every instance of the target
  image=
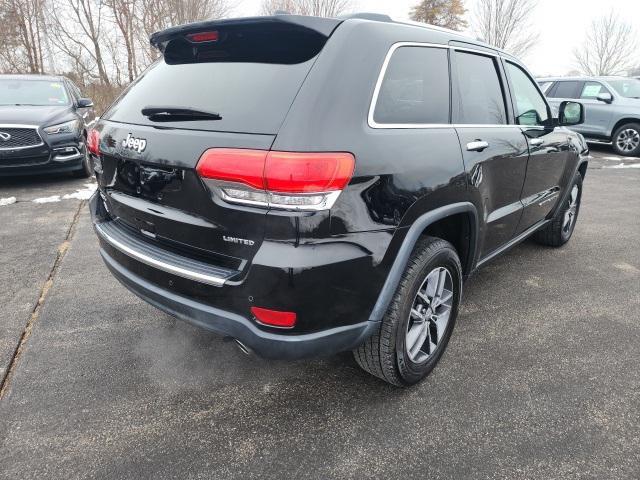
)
(562, 25)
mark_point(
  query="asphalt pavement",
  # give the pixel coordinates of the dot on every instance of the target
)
(540, 380)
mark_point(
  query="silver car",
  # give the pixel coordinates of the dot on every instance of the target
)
(612, 108)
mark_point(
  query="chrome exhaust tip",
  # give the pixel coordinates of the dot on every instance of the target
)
(243, 348)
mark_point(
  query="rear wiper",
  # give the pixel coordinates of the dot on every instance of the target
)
(173, 114)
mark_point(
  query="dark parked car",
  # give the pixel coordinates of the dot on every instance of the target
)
(43, 126)
(310, 185)
(612, 108)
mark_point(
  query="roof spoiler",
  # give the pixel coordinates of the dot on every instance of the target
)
(323, 26)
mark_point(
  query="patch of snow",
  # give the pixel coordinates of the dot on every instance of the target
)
(614, 159)
(7, 201)
(83, 194)
(623, 165)
(51, 199)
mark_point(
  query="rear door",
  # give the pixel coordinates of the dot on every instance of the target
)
(247, 74)
(495, 152)
(548, 147)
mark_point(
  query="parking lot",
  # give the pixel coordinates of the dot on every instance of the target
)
(541, 379)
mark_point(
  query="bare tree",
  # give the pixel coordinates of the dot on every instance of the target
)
(124, 14)
(443, 13)
(78, 31)
(316, 8)
(610, 47)
(22, 35)
(506, 24)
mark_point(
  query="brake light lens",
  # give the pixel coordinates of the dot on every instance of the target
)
(274, 318)
(93, 142)
(234, 165)
(286, 180)
(292, 172)
(203, 37)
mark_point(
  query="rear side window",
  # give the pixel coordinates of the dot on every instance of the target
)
(249, 76)
(480, 99)
(565, 90)
(415, 88)
(544, 86)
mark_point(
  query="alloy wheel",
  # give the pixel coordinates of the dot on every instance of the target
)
(628, 140)
(429, 316)
(572, 210)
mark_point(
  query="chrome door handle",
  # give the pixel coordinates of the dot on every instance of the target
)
(536, 142)
(477, 146)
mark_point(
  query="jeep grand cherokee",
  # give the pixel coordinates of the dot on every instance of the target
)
(311, 185)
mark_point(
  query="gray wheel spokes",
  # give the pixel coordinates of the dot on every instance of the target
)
(416, 337)
(628, 140)
(429, 315)
(570, 214)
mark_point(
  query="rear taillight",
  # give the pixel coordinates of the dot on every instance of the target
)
(93, 142)
(287, 180)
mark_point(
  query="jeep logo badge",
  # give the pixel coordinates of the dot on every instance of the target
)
(133, 143)
(5, 137)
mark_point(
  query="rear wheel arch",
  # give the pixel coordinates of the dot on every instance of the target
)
(622, 122)
(457, 222)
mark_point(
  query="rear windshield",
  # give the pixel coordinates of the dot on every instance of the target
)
(246, 77)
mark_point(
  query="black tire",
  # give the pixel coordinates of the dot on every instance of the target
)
(556, 233)
(85, 170)
(626, 140)
(385, 353)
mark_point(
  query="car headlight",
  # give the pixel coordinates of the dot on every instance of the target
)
(66, 127)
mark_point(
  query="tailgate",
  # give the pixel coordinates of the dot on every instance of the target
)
(157, 192)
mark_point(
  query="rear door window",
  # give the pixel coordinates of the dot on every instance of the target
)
(249, 76)
(565, 89)
(544, 86)
(415, 88)
(480, 97)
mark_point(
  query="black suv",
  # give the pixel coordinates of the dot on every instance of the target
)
(43, 126)
(310, 185)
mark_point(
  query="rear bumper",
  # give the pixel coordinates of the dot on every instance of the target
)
(219, 308)
(264, 344)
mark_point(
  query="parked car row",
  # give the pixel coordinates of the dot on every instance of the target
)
(612, 108)
(44, 122)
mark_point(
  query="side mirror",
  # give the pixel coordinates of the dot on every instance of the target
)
(570, 113)
(605, 97)
(85, 103)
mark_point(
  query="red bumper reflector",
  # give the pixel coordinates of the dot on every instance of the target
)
(274, 318)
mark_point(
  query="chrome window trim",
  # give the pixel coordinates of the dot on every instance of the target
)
(19, 125)
(422, 126)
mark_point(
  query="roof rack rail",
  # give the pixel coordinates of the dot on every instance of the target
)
(377, 17)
